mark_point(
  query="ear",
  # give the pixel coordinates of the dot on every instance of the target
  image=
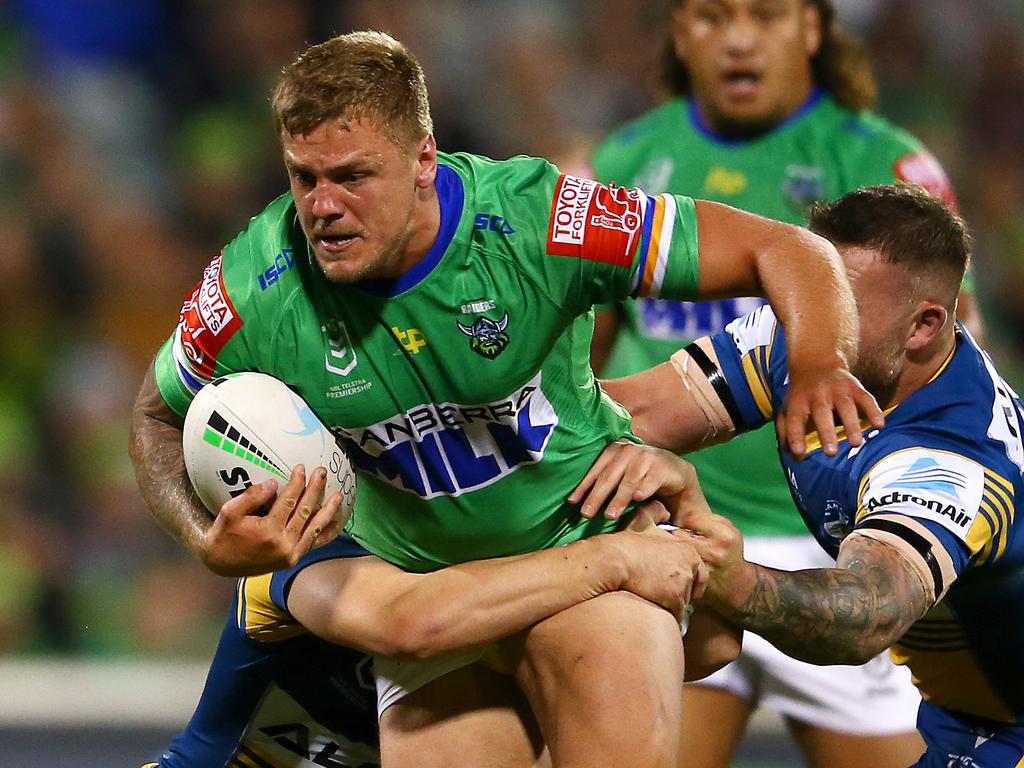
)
(929, 320)
(813, 32)
(679, 32)
(426, 162)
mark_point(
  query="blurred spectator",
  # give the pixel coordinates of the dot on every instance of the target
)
(135, 138)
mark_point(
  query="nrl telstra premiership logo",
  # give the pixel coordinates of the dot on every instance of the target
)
(487, 337)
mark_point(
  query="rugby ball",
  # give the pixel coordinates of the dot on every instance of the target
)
(245, 428)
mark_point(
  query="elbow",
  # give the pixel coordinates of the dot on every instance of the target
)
(414, 636)
(891, 627)
(879, 642)
(853, 653)
(854, 656)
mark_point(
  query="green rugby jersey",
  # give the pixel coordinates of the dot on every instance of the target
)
(463, 389)
(822, 152)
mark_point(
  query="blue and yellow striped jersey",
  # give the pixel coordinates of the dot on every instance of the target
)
(276, 696)
(942, 481)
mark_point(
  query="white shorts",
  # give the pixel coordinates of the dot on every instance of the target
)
(397, 679)
(874, 699)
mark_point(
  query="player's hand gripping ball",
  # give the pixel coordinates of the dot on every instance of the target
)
(245, 428)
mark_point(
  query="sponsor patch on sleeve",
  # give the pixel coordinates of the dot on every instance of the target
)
(923, 169)
(208, 320)
(925, 484)
(594, 221)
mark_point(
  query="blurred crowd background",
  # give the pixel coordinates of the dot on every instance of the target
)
(135, 140)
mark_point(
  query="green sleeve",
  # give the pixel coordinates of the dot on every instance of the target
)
(227, 308)
(622, 242)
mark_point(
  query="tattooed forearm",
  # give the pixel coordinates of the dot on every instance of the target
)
(844, 615)
(160, 468)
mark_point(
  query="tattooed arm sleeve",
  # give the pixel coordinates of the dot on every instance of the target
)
(842, 615)
(160, 468)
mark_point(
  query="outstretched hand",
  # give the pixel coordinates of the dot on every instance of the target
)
(817, 399)
(243, 541)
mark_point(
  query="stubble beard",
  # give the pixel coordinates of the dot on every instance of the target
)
(377, 266)
(880, 374)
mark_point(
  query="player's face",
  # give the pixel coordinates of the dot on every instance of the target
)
(362, 202)
(749, 60)
(886, 310)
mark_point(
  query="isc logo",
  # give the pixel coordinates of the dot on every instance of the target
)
(282, 263)
(486, 221)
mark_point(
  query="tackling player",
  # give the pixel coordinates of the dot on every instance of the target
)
(277, 695)
(769, 114)
(921, 515)
(433, 310)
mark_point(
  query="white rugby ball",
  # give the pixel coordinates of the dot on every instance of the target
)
(245, 428)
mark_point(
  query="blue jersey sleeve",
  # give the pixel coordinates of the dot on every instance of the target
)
(945, 503)
(281, 581)
(751, 357)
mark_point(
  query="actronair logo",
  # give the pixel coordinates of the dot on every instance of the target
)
(926, 473)
(957, 515)
(222, 435)
(927, 484)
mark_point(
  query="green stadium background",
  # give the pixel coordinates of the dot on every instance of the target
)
(135, 140)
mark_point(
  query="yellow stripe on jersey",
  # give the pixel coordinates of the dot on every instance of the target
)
(761, 357)
(243, 761)
(952, 679)
(1001, 492)
(993, 507)
(946, 362)
(757, 386)
(981, 538)
(1003, 485)
(658, 246)
(988, 538)
(263, 619)
(813, 442)
(259, 756)
(935, 634)
(813, 439)
(647, 279)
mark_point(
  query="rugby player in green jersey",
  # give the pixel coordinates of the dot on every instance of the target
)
(769, 114)
(433, 310)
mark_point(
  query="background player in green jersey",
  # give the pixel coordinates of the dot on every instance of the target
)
(465, 447)
(768, 114)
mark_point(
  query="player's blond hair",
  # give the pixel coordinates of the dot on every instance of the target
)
(841, 66)
(358, 76)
